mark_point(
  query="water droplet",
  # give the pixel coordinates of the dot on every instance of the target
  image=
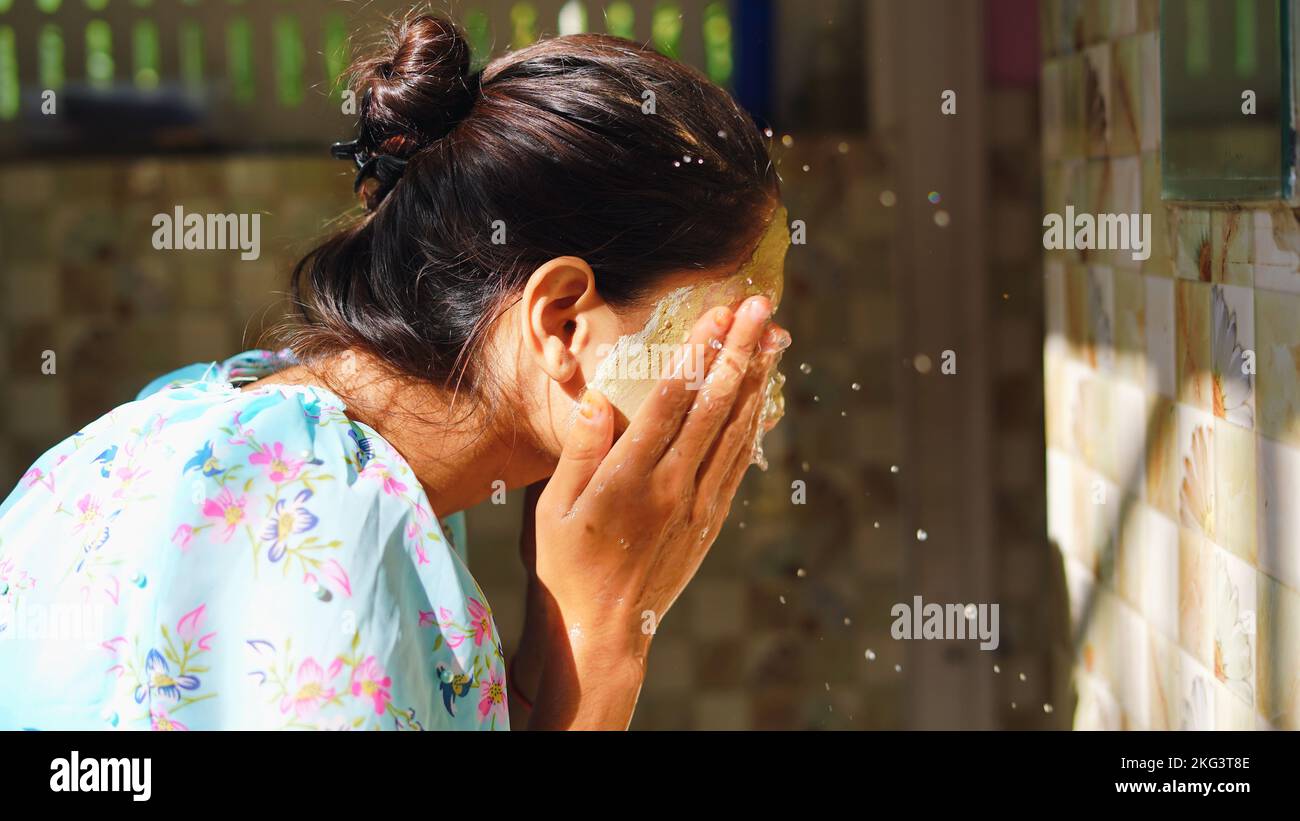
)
(844, 413)
(704, 534)
(843, 148)
(806, 167)
(971, 611)
(806, 467)
(922, 363)
(816, 398)
(1047, 708)
(856, 386)
(686, 158)
(676, 164)
(699, 161)
(782, 599)
(722, 135)
(828, 686)
(742, 525)
(921, 535)
(787, 141)
(715, 344)
(847, 621)
(893, 468)
(139, 580)
(870, 654)
(805, 368)
(1013, 705)
(888, 198)
(997, 668)
(1022, 676)
(898, 668)
(941, 218)
(801, 573)
(934, 197)
(321, 592)
(767, 132)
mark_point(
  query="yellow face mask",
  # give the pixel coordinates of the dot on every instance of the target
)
(636, 361)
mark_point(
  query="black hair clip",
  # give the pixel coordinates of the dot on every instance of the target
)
(385, 169)
(350, 150)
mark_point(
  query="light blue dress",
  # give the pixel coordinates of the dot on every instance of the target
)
(210, 558)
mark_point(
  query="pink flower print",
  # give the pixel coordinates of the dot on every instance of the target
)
(11, 576)
(369, 681)
(454, 638)
(126, 476)
(492, 701)
(378, 470)
(279, 468)
(159, 720)
(337, 576)
(182, 537)
(336, 580)
(36, 476)
(413, 536)
(91, 522)
(227, 510)
(89, 513)
(427, 618)
(190, 626)
(481, 619)
(312, 691)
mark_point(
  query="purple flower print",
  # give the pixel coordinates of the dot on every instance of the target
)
(158, 679)
(290, 517)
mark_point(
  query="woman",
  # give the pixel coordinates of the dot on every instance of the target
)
(254, 543)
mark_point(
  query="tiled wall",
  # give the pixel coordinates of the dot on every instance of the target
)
(1173, 472)
(79, 276)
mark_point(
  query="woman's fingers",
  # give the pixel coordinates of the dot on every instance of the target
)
(660, 416)
(734, 445)
(716, 398)
(585, 447)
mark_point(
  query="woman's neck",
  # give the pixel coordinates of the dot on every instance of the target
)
(457, 455)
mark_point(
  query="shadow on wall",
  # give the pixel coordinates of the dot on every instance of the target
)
(1173, 413)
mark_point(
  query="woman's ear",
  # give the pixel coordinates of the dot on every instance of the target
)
(562, 316)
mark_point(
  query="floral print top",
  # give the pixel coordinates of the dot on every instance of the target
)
(210, 558)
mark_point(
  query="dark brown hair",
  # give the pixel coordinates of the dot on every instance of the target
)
(552, 142)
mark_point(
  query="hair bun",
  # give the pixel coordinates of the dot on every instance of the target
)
(418, 86)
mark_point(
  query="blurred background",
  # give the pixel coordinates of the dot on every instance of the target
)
(921, 143)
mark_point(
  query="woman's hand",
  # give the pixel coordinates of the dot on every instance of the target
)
(621, 530)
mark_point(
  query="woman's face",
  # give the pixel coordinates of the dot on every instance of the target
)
(644, 350)
(570, 340)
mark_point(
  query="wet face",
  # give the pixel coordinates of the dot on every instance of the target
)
(629, 369)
